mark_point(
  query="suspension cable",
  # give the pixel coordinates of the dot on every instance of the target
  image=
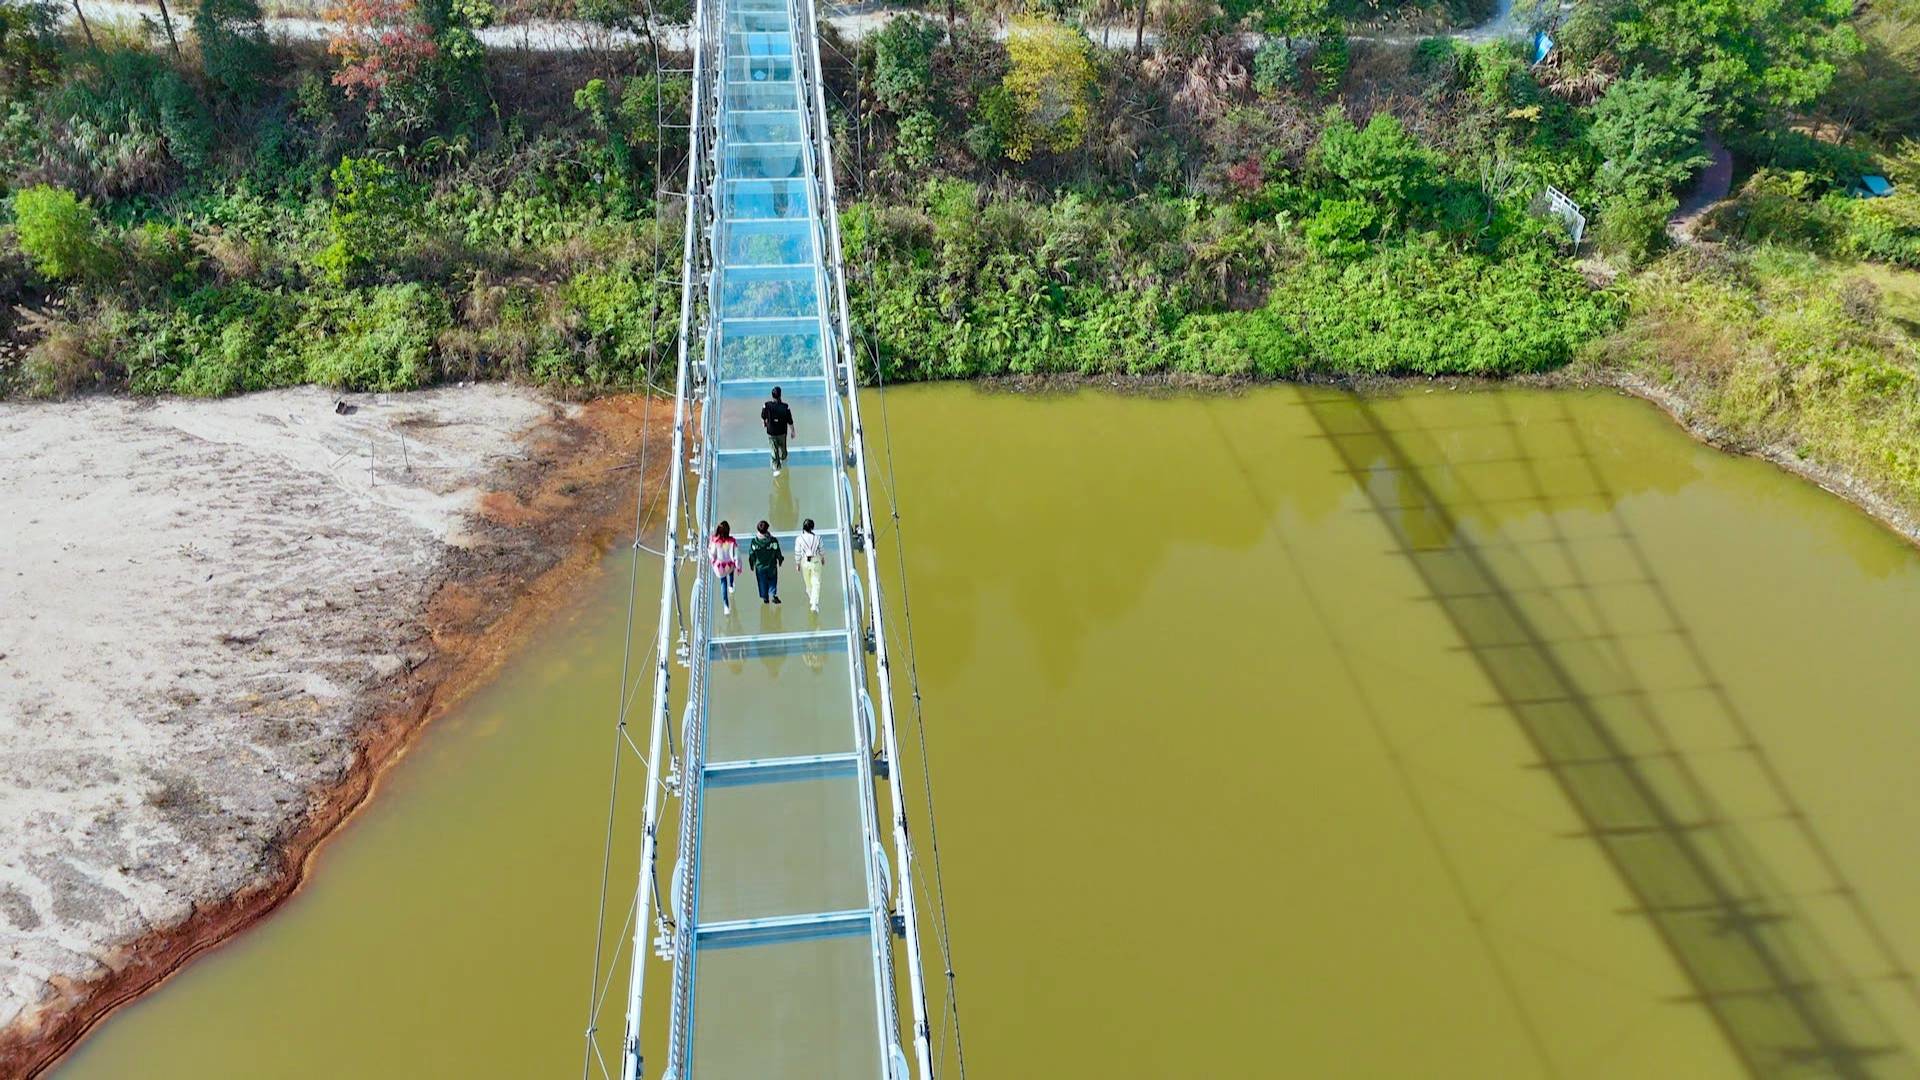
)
(944, 934)
(629, 688)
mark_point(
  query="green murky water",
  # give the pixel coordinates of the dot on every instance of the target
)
(1498, 734)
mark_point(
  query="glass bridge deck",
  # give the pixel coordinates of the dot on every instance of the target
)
(790, 969)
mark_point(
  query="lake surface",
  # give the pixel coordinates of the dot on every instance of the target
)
(1502, 733)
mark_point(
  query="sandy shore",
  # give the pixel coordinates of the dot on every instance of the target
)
(220, 620)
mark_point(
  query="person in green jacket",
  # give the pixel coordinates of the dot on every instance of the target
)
(765, 556)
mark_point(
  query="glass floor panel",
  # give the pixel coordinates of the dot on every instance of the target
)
(804, 1010)
(754, 161)
(760, 69)
(759, 22)
(743, 297)
(748, 494)
(739, 427)
(762, 96)
(769, 356)
(778, 706)
(783, 848)
(775, 243)
(772, 125)
(785, 198)
(771, 36)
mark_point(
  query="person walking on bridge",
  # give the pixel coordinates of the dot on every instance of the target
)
(765, 556)
(777, 417)
(723, 552)
(806, 551)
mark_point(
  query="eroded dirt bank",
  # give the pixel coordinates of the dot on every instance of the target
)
(220, 621)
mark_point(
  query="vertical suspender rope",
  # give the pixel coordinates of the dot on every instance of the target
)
(902, 842)
(630, 1068)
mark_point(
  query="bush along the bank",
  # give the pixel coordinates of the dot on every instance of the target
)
(1189, 300)
(400, 209)
(1262, 188)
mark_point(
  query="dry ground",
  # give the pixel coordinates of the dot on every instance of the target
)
(217, 620)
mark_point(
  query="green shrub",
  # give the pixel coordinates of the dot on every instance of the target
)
(1274, 68)
(233, 46)
(627, 320)
(1381, 163)
(376, 339)
(1330, 62)
(915, 148)
(1634, 229)
(1341, 228)
(902, 63)
(1425, 310)
(1647, 132)
(1779, 207)
(1885, 229)
(372, 213)
(56, 230)
(1438, 57)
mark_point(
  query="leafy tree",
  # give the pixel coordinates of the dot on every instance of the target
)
(1341, 228)
(594, 100)
(1273, 68)
(381, 44)
(903, 63)
(1753, 58)
(233, 45)
(372, 211)
(919, 140)
(414, 61)
(29, 40)
(461, 67)
(1284, 19)
(1330, 62)
(1048, 88)
(1647, 131)
(1380, 163)
(56, 232)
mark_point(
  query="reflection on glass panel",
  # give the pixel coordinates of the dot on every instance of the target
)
(752, 161)
(783, 848)
(778, 706)
(801, 1010)
(771, 356)
(767, 299)
(786, 198)
(760, 69)
(783, 244)
(762, 96)
(773, 126)
(772, 40)
(746, 496)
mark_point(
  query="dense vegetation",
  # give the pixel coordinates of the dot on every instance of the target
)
(209, 212)
(1231, 187)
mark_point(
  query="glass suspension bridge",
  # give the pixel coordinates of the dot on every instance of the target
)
(792, 891)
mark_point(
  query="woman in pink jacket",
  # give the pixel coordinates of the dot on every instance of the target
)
(724, 554)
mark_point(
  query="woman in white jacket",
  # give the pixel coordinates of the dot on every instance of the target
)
(806, 550)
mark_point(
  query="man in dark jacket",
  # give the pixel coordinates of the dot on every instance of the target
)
(777, 418)
(765, 556)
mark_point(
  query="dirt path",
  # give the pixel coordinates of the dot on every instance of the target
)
(219, 621)
(853, 21)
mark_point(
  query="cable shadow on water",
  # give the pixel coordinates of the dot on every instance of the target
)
(1582, 646)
